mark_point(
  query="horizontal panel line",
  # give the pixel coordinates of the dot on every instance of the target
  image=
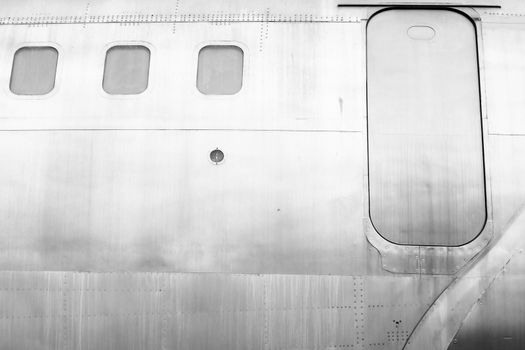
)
(171, 129)
(507, 23)
(505, 134)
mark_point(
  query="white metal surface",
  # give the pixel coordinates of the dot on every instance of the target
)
(116, 193)
(153, 201)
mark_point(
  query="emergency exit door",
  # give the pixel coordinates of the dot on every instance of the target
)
(426, 167)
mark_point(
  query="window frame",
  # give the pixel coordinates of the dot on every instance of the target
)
(58, 70)
(245, 67)
(102, 67)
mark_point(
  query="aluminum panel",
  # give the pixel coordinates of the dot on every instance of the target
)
(154, 311)
(505, 76)
(497, 321)
(280, 202)
(439, 325)
(426, 176)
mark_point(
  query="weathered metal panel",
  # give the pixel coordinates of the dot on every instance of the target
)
(211, 311)
(314, 311)
(153, 201)
(80, 200)
(440, 323)
(153, 311)
(508, 182)
(425, 154)
(497, 320)
(505, 48)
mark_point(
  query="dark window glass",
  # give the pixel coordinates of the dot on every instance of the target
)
(220, 70)
(34, 70)
(126, 70)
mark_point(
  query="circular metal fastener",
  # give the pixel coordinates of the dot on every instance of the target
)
(216, 156)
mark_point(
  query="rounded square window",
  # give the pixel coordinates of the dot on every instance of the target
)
(34, 70)
(220, 70)
(126, 70)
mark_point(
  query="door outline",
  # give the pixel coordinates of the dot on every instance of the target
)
(414, 258)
